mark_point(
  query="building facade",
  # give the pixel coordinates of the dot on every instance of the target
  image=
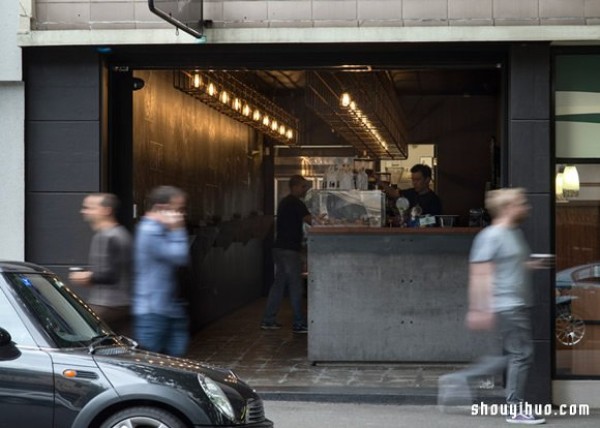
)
(73, 124)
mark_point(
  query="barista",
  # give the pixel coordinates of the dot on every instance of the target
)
(420, 195)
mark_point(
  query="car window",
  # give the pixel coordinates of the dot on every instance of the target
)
(62, 315)
(10, 321)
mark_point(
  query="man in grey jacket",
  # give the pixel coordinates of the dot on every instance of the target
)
(109, 272)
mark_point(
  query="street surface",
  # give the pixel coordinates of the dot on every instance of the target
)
(297, 414)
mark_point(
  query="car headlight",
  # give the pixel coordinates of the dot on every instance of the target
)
(216, 396)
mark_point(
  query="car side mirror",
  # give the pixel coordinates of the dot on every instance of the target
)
(5, 338)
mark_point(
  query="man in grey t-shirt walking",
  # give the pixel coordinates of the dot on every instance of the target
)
(500, 297)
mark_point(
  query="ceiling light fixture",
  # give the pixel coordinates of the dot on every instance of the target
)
(223, 92)
(347, 102)
(362, 108)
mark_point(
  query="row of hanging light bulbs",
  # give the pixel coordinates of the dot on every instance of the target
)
(347, 102)
(243, 107)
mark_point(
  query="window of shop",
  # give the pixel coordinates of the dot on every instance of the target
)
(577, 215)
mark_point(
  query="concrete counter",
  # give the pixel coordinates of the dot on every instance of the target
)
(386, 294)
(359, 230)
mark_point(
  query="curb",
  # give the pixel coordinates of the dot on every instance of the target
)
(407, 396)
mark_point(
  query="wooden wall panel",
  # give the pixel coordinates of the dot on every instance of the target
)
(180, 141)
(577, 234)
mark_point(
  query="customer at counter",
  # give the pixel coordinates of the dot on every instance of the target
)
(421, 194)
(292, 213)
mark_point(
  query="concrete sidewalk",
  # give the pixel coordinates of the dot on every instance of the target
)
(287, 414)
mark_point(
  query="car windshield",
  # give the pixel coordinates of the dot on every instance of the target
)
(61, 313)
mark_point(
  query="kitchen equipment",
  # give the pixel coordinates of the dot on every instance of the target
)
(402, 204)
(447, 220)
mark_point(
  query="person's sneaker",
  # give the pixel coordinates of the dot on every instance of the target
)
(270, 326)
(526, 419)
(301, 329)
(454, 391)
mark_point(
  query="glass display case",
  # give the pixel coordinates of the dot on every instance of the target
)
(365, 208)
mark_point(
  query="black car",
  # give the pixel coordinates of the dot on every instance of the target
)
(61, 366)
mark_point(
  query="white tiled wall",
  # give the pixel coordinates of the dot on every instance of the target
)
(117, 14)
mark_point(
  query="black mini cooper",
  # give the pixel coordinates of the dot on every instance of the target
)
(61, 366)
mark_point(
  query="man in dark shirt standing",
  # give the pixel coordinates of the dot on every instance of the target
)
(291, 215)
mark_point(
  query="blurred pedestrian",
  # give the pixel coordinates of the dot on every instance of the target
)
(109, 262)
(291, 216)
(161, 321)
(500, 298)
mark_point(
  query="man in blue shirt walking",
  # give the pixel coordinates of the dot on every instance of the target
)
(161, 321)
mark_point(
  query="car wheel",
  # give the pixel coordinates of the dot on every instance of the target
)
(570, 329)
(143, 417)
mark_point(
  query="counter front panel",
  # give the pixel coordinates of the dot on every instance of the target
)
(401, 296)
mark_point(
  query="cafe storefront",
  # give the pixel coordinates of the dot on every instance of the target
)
(113, 135)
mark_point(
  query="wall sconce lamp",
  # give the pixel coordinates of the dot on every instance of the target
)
(566, 183)
(570, 182)
(558, 185)
(223, 92)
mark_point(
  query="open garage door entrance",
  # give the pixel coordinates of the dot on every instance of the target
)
(176, 116)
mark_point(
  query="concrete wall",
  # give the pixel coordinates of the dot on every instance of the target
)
(12, 170)
(391, 296)
(12, 114)
(134, 14)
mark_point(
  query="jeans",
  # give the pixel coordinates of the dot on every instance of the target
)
(159, 333)
(515, 328)
(288, 271)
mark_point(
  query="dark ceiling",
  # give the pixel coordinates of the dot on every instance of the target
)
(390, 99)
(408, 85)
(417, 72)
(463, 82)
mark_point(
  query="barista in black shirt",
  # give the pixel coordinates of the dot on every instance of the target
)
(420, 194)
(291, 216)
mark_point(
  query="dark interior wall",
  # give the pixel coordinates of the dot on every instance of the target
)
(218, 161)
(181, 141)
(461, 127)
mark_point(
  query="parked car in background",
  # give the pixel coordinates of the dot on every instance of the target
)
(577, 302)
(61, 366)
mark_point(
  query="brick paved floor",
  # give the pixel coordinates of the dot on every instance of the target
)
(275, 361)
